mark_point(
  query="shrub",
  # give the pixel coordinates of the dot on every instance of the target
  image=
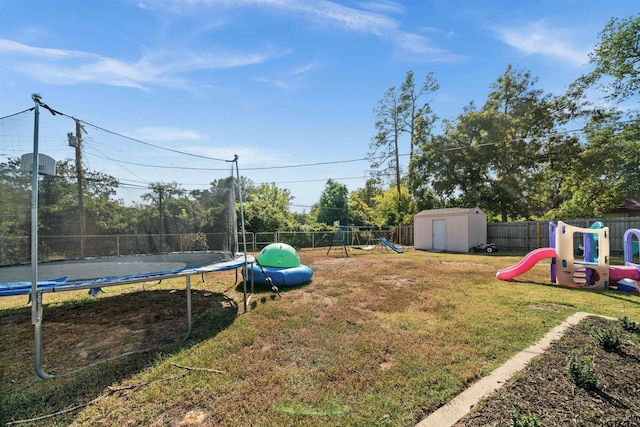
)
(195, 242)
(581, 372)
(521, 420)
(628, 324)
(607, 338)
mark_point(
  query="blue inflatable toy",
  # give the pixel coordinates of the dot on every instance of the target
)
(282, 264)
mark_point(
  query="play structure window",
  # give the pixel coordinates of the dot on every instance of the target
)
(586, 245)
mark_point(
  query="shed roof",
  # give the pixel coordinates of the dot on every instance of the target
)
(450, 211)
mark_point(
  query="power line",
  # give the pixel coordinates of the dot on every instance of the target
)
(54, 112)
(152, 145)
(318, 180)
(156, 166)
(15, 114)
(335, 162)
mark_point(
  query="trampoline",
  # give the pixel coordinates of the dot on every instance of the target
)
(97, 273)
(103, 271)
(72, 258)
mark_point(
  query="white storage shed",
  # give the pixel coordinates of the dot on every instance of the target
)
(451, 229)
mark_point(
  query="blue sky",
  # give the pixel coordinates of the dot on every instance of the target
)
(278, 82)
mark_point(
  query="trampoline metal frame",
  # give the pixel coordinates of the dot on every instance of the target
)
(37, 302)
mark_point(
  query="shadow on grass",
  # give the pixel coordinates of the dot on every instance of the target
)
(82, 332)
(263, 292)
(618, 295)
(632, 298)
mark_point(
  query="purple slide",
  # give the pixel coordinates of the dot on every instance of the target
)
(526, 264)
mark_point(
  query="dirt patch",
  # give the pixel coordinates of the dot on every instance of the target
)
(545, 390)
(394, 280)
(461, 264)
(331, 264)
(547, 306)
(78, 334)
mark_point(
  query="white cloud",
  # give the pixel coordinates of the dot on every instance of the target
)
(162, 134)
(370, 19)
(382, 6)
(417, 47)
(161, 68)
(11, 47)
(538, 38)
(290, 79)
(279, 83)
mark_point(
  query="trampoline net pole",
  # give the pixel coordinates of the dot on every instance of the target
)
(34, 210)
(244, 236)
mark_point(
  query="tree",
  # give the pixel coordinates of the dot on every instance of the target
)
(396, 115)
(15, 204)
(493, 157)
(617, 56)
(267, 209)
(216, 199)
(389, 213)
(420, 117)
(58, 202)
(333, 204)
(606, 169)
(362, 203)
(391, 115)
(604, 173)
(162, 195)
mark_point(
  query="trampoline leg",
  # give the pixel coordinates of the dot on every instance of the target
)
(188, 309)
(245, 299)
(37, 340)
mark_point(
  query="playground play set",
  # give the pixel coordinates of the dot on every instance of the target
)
(593, 270)
(346, 233)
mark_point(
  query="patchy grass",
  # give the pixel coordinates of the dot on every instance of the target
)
(375, 339)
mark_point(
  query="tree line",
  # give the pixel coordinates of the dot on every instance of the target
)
(513, 155)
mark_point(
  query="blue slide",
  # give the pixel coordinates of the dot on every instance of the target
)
(391, 245)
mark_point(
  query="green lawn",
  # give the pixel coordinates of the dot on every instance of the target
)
(376, 339)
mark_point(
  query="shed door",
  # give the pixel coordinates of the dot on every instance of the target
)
(439, 234)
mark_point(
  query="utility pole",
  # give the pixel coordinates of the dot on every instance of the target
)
(76, 141)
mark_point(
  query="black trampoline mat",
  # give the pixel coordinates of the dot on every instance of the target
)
(95, 268)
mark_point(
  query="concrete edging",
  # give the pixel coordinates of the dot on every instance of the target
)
(459, 406)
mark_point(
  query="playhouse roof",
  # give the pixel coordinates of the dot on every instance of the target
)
(631, 204)
(450, 211)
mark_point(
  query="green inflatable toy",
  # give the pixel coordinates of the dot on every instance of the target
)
(279, 255)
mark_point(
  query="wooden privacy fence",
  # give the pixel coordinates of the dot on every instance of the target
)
(528, 235)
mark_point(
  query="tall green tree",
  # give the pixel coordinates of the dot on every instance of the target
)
(389, 213)
(493, 157)
(15, 210)
(604, 173)
(362, 203)
(396, 116)
(606, 169)
(58, 202)
(267, 209)
(333, 204)
(420, 116)
(617, 59)
(163, 196)
(215, 200)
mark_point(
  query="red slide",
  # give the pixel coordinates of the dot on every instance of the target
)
(526, 264)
